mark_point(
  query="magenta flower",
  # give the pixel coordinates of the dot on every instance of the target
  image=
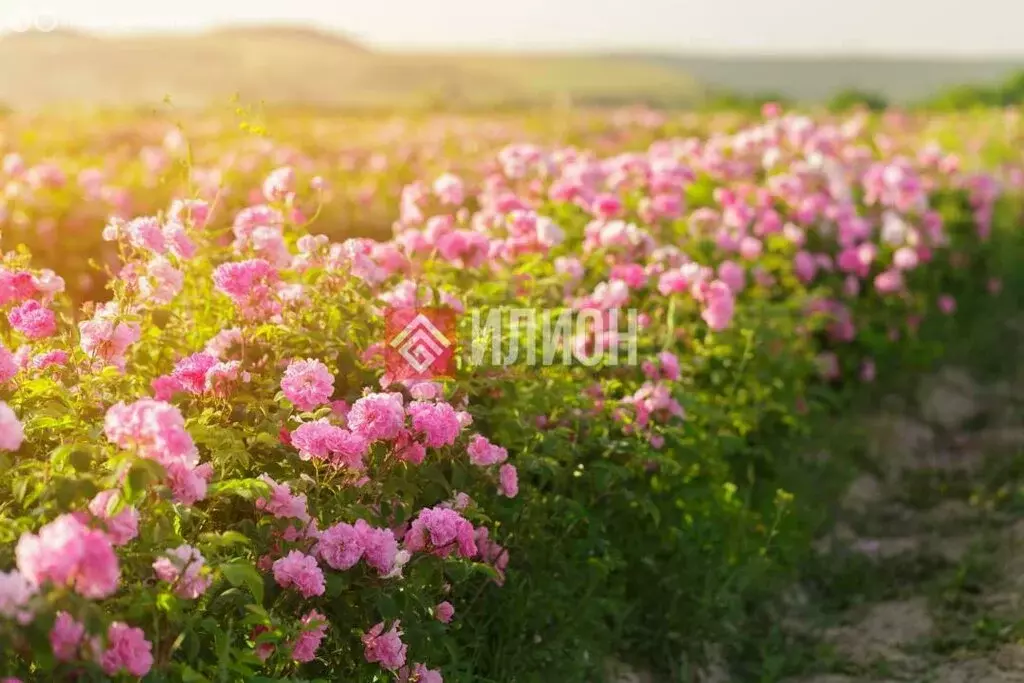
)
(33, 320)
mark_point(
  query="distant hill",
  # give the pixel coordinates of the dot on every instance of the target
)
(283, 65)
(298, 65)
(899, 79)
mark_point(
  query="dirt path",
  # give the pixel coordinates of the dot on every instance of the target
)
(922, 578)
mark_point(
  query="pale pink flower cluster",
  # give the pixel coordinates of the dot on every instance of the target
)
(121, 527)
(108, 335)
(12, 434)
(8, 367)
(252, 287)
(420, 674)
(65, 552)
(492, 553)
(57, 357)
(162, 281)
(282, 503)
(183, 567)
(308, 384)
(719, 304)
(16, 594)
(279, 184)
(377, 417)
(147, 234)
(156, 430)
(224, 341)
(127, 651)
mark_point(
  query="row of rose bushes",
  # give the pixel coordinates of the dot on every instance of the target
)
(212, 476)
(63, 175)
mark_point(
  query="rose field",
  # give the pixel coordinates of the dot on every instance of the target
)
(211, 473)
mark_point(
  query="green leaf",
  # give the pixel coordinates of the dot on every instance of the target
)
(244, 574)
(81, 459)
(247, 489)
(225, 539)
(142, 475)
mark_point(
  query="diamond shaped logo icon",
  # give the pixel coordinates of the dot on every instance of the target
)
(420, 343)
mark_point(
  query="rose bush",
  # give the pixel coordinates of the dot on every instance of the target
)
(213, 475)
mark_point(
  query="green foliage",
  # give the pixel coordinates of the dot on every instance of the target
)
(855, 99)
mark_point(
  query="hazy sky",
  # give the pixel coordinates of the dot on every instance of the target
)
(889, 26)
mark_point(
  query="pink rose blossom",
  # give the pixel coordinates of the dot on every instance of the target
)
(732, 274)
(16, 591)
(386, 649)
(314, 629)
(282, 503)
(483, 453)
(308, 384)
(379, 547)
(45, 360)
(340, 546)
(437, 422)
(107, 337)
(183, 567)
(719, 305)
(508, 479)
(33, 320)
(66, 637)
(377, 416)
(251, 287)
(441, 531)
(127, 651)
(8, 367)
(11, 431)
(279, 184)
(121, 527)
(444, 612)
(300, 571)
(66, 552)
(888, 282)
(190, 372)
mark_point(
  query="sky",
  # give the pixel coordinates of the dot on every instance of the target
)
(933, 27)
